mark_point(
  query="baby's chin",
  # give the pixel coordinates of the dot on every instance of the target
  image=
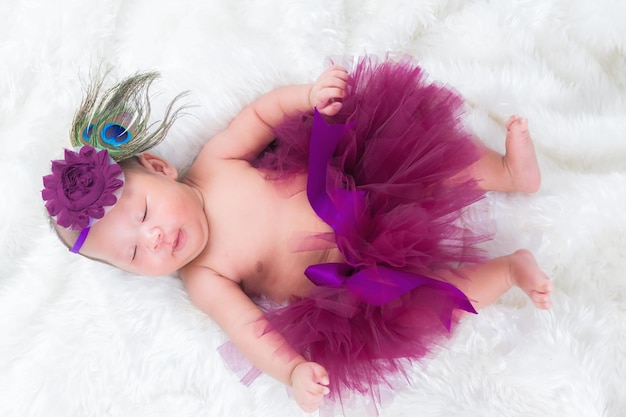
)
(156, 273)
(149, 272)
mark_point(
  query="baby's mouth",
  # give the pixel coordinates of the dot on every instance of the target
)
(179, 242)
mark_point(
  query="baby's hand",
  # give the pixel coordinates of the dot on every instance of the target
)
(328, 90)
(309, 381)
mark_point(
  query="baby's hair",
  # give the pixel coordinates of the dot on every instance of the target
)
(117, 119)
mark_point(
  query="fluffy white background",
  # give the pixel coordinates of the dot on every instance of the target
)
(81, 339)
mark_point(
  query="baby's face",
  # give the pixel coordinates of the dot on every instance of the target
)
(157, 226)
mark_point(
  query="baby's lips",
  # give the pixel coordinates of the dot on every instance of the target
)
(179, 242)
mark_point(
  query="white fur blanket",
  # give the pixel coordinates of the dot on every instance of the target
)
(78, 338)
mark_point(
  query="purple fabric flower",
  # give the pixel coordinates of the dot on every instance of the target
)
(81, 186)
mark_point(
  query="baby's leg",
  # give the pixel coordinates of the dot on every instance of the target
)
(484, 283)
(517, 170)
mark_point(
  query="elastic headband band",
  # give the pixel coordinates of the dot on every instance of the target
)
(81, 239)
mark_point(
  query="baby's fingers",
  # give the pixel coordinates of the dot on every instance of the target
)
(336, 71)
(329, 90)
(314, 397)
(333, 80)
(319, 384)
(317, 390)
(331, 108)
(309, 381)
(320, 376)
(329, 100)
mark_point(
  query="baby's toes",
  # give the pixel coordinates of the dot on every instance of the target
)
(511, 120)
(522, 124)
(519, 126)
(541, 299)
(546, 287)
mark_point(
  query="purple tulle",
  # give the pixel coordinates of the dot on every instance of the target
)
(396, 193)
(405, 149)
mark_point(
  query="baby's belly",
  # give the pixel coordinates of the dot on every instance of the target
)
(301, 239)
(282, 290)
(278, 286)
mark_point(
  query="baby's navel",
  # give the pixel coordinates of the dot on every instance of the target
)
(259, 266)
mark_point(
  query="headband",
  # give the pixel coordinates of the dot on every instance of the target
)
(81, 189)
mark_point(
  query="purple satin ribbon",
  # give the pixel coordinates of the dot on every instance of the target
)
(338, 207)
(81, 239)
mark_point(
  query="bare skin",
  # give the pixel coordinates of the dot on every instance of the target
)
(526, 274)
(515, 171)
(518, 269)
(257, 238)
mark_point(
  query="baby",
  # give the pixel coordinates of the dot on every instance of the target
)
(249, 219)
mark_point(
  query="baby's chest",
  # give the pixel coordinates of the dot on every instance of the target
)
(265, 234)
(279, 280)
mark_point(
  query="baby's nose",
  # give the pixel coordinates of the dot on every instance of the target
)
(155, 238)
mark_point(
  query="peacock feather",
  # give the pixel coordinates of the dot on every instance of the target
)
(118, 119)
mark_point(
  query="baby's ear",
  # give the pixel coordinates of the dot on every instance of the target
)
(158, 165)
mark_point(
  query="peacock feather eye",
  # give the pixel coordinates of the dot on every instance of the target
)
(87, 133)
(115, 134)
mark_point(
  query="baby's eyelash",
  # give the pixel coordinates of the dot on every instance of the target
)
(145, 214)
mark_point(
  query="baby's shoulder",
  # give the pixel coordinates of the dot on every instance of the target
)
(197, 278)
(207, 166)
(194, 271)
(211, 292)
(216, 149)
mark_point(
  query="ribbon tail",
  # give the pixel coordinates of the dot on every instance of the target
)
(324, 141)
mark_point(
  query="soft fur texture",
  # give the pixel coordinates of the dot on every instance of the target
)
(78, 338)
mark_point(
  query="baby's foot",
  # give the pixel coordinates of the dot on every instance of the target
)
(520, 158)
(526, 274)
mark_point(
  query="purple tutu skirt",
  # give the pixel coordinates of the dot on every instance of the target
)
(386, 174)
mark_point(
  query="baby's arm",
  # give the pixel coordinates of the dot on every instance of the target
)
(243, 322)
(252, 130)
